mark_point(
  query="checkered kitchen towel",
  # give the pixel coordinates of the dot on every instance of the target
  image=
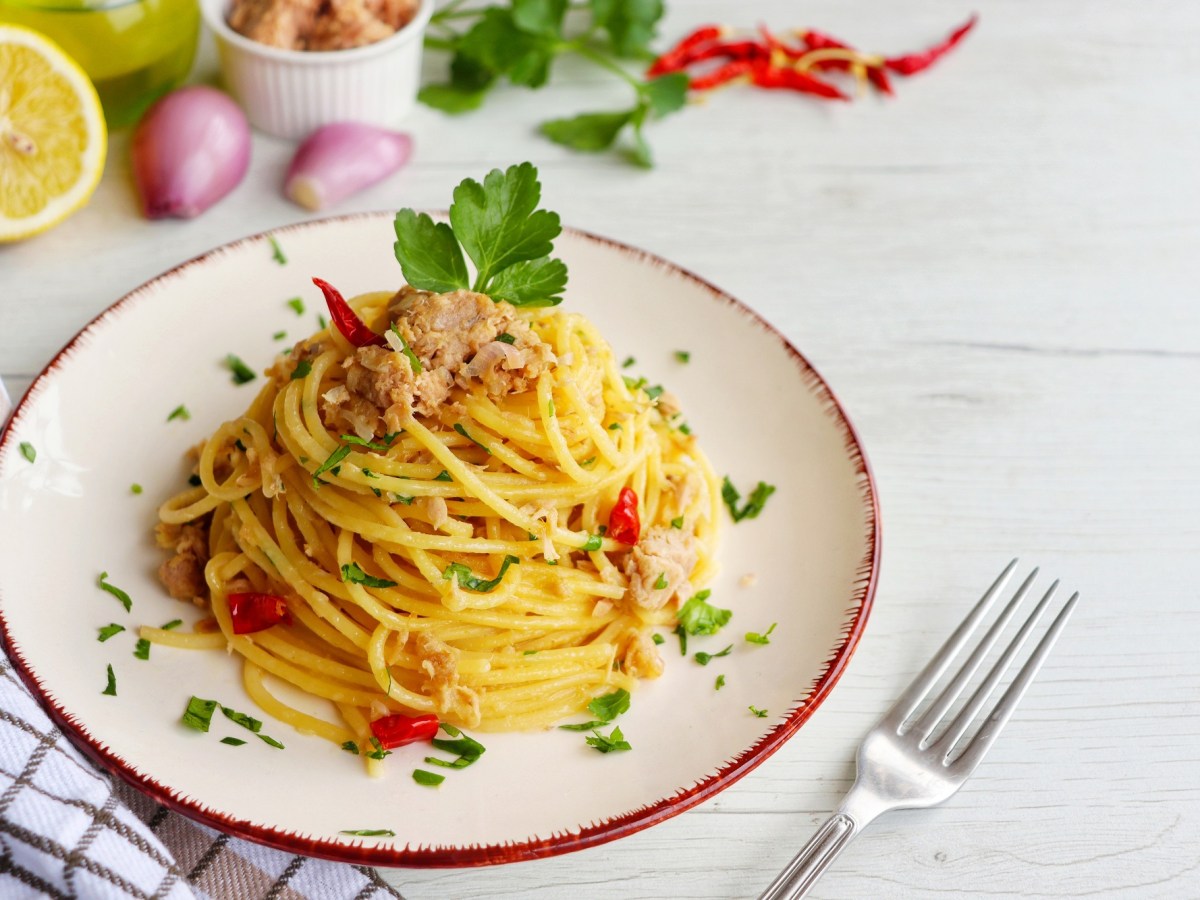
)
(69, 830)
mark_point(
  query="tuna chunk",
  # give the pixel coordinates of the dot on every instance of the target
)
(440, 662)
(319, 24)
(183, 573)
(662, 552)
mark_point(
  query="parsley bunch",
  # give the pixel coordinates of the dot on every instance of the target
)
(502, 231)
(519, 41)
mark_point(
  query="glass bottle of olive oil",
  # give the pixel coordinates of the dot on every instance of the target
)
(133, 50)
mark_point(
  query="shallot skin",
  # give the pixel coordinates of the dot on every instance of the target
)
(190, 149)
(343, 158)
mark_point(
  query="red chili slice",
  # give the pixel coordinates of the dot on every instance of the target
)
(623, 523)
(345, 319)
(256, 612)
(398, 730)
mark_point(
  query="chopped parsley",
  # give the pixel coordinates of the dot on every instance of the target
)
(467, 750)
(529, 653)
(754, 503)
(248, 722)
(467, 579)
(135, 488)
(761, 713)
(322, 322)
(28, 451)
(174, 623)
(352, 573)
(428, 779)
(662, 581)
(614, 741)
(331, 462)
(594, 542)
(180, 412)
(583, 465)
(297, 305)
(198, 714)
(267, 739)
(505, 338)
(609, 706)
(677, 522)
(111, 688)
(615, 426)
(703, 658)
(242, 373)
(302, 368)
(682, 635)
(442, 476)
(765, 638)
(276, 251)
(279, 335)
(413, 361)
(458, 426)
(720, 682)
(142, 650)
(629, 361)
(402, 498)
(109, 630)
(378, 752)
(697, 616)
(115, 591)
(370, 832)
(683, 356)
(382, 446)
(685, 428)
(658, 638)
(350, 747)
(232, 741)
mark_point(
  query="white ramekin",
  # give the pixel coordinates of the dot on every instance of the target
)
(289, 93)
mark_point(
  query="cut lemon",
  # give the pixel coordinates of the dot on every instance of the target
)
(52, 135)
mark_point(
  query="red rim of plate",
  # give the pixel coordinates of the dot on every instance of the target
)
(857, 610)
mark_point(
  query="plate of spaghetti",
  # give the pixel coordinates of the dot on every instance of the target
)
(436, 540)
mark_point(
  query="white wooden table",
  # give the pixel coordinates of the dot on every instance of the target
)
(999, 273)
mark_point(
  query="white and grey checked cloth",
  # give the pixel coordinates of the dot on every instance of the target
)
(68, 830)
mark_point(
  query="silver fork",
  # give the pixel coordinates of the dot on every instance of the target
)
(909, 761)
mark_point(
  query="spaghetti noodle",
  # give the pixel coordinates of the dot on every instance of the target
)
(436, 514)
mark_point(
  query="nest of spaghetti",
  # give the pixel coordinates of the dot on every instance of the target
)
(480, 518)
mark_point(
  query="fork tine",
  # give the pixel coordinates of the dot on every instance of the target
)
(921, 685)
(929, 721)
(1008, 703)
(967, 714)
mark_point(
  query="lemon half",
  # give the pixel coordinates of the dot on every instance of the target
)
(52, 134)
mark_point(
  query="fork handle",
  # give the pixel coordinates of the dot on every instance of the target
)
(809, 864)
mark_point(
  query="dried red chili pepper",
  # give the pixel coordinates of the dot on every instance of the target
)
(681, 54)
(912, 63)
(345, 319)
(253, 611)
(774, 42)
(398, 730)
(723, 74)
(781, 78)
(623, 523)
(817, 40)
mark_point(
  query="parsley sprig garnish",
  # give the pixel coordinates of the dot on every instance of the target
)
(698, 616)
(500, 229)
(519, 40)
(754, 503)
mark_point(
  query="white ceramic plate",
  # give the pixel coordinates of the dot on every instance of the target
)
(97, 418)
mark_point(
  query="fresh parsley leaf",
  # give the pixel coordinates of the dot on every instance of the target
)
(232, 741)
(28, 451)
(429, 254)
(466, 749)
(761, 713)
(449, 729)
(720, 682)
(247, 722)
(276, 251)
(505, 338)
(658, 638)
(662, 581)
(382, 446)
(414, 361)
(331, 461)
(428, 779)
(242, 373)
(539, 16)
(496, 44)
(109, 630)
(583, 726)
(593, 542)
(765, 638)
(180, 412)
(498, 222)
(472, 582)
(682, 635)
(452, 98)
(614, 741)
(589, 132)
(302, 368)
(142, 650)
(627, 362)
(754, 503)
(666, 94)
(279, 335)
(135, 488)
(297, 305)
(697, 616)
(703, 658)
(683, 356)
(352, 573)
(677, 522)
(442, 476)
(402, 498)
(322, 322)
(609, 706)
(198, 714)
(378, 752)
(532, 283)
(174, 623)
(461, 429)
(115, 591)
(350, 747)
(267, 739)
(111, 688)
(370, 832)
